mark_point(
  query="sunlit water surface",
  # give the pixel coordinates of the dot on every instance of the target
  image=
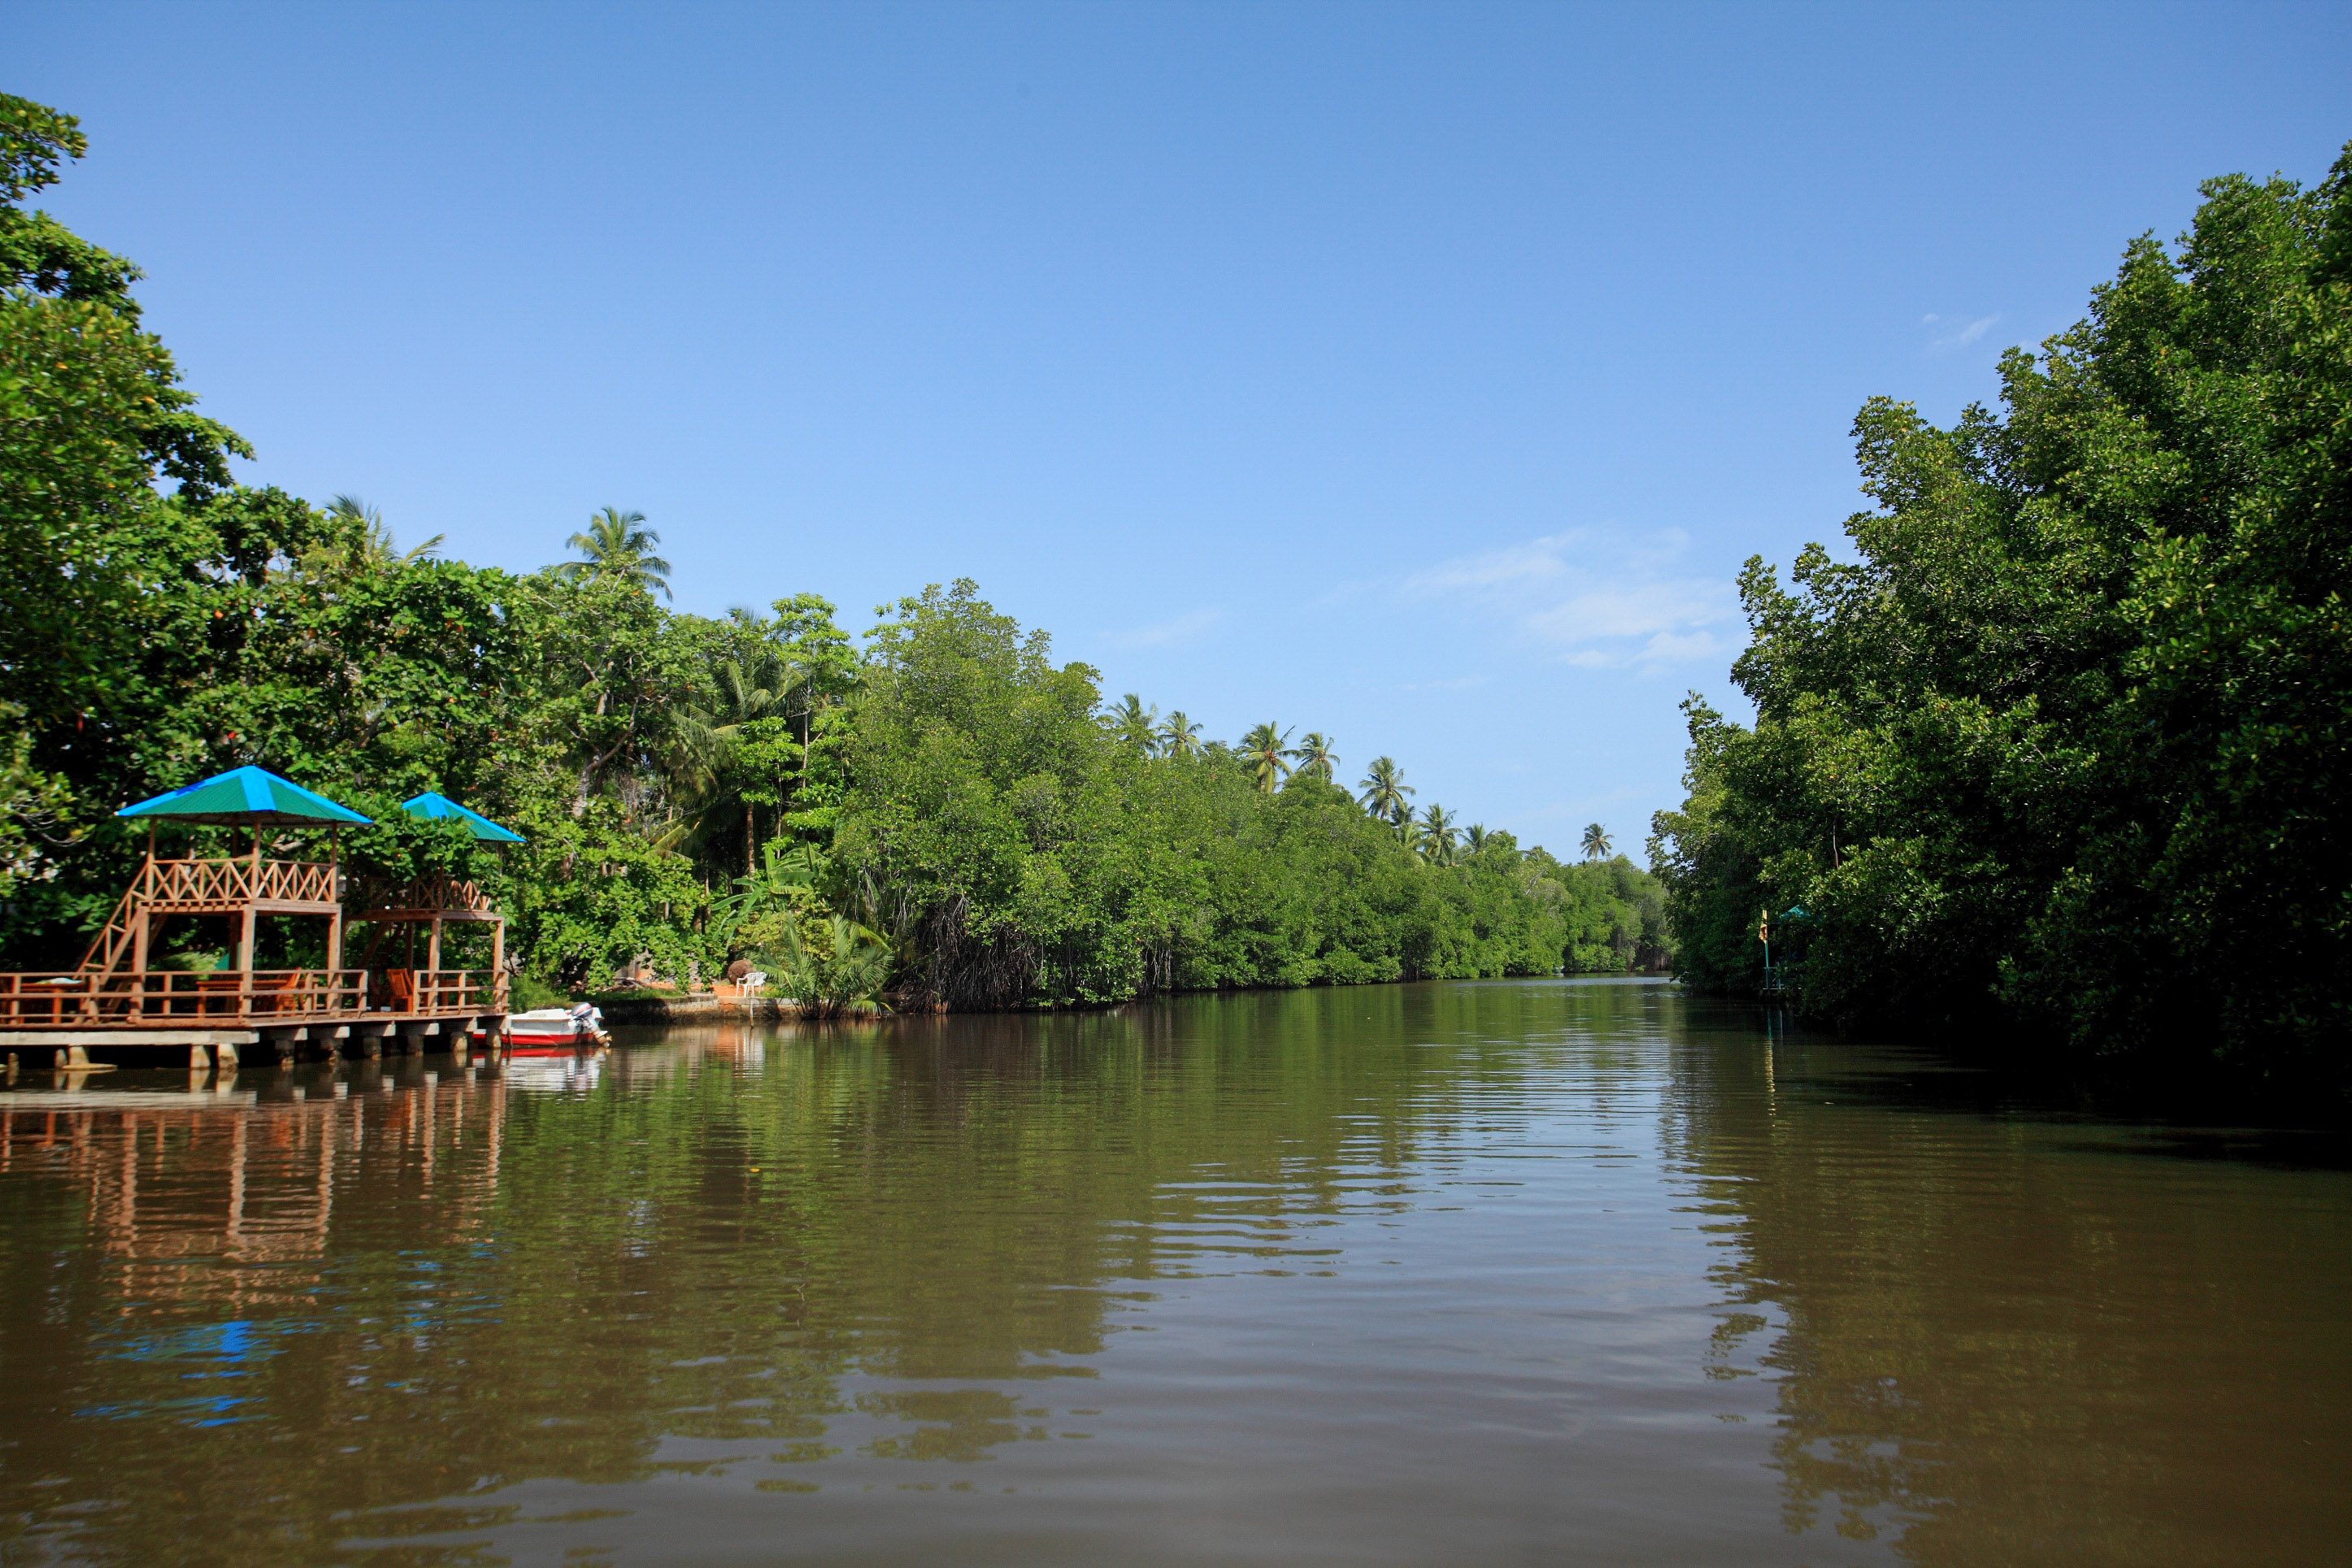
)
(1541, 1272)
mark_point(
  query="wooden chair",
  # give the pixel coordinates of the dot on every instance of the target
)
(399, 989)
(274, 993)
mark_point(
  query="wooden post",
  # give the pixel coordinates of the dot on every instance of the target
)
(432, 946)
(499, 964)
(335, 892)
(245, 924)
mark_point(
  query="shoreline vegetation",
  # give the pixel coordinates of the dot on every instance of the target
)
(2049, 758)
(942, 818)
(2052, 755)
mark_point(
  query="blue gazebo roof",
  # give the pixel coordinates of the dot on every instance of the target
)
(432, 805)
(246, 797)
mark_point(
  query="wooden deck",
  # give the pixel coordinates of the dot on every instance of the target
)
(164, 998)
(66, 1017)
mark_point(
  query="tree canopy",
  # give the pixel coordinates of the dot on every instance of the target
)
(2058, 743)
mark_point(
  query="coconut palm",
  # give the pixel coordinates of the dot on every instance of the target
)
(617, 545)
(1267, 750)
(1135, 725)
(1596, 842)
(371, 546)
(1474, 837)
(748, 690)
(1178, 735)
(1314, 755)
(1384, 790)
(1438, 834)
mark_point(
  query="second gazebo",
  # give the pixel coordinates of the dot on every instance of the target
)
(426, 906)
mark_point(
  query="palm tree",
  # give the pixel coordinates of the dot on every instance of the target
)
(1314, 755)
(1268, 755)
(617, 546)
(748, 691)
(1135, 725)
(1596, 842)
(1474, 837)
(373, 547)
(1384, 789)
(1437, 834)
(1178, 735)
(851, 969)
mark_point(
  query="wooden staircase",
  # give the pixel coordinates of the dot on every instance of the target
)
(120, 940)
(222, 887)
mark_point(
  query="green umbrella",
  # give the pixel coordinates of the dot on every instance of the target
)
(245, 798)
(440, 806)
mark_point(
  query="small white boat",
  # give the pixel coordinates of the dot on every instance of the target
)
(552, 1032)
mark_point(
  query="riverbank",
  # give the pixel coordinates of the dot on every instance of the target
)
(697, 1007)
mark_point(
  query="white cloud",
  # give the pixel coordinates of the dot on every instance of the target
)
(1186, 628)
(1968, 333)
(1682, 647)
(1603, 598)
(1536, 559)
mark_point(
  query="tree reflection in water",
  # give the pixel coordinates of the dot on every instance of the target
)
(2004, 1335)
(1458, 1272)
(437, 1287)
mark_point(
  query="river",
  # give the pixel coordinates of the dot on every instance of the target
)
(1451, 1274)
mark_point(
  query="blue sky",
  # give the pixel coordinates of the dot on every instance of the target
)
(1419, 374)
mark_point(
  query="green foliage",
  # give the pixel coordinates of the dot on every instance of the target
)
(949, 813)
(840, 968)
(528, 993)
(2064, 743)
(33, 804)
(1034, 856)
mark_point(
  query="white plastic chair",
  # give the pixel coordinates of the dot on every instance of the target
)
(753, 982)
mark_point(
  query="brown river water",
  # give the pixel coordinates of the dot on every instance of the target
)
(1525, 1272)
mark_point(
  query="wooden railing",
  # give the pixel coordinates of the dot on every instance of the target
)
(197, 885)
(412, 991)
(172, 996)
(426, 892)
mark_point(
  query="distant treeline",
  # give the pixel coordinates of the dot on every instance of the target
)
(2061, 748)
(944, 815)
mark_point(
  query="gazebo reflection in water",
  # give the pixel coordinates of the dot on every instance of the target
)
(219, 1198)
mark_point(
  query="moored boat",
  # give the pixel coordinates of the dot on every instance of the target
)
(552, 1032)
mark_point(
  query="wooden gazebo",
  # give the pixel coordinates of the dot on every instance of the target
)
(430, 904)
(117, 999)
